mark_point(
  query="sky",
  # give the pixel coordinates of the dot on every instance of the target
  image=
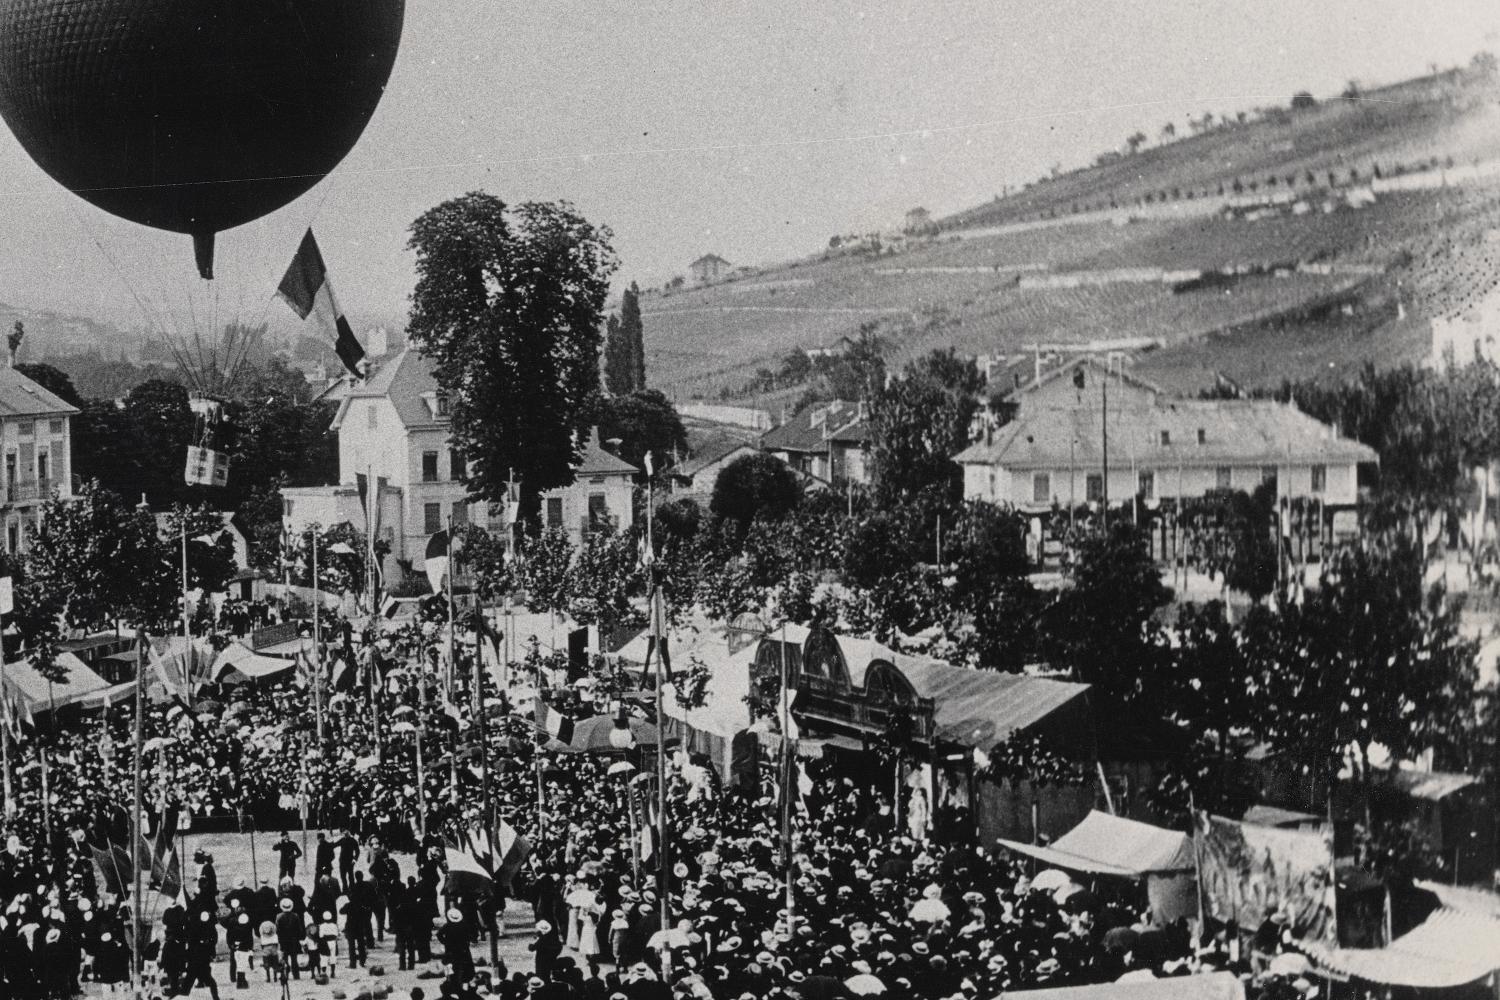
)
(754, 129)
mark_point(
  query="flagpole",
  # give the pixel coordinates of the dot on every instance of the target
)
(140, 725)
(452, 653)
(317, 642)
(10, 802)
(788, 765)
(663, 888)
(186, 634)
(46, 804)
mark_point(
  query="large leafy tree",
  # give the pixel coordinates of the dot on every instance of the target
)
(753, 486)
(644, 420)
(920, 421)
(508, 304)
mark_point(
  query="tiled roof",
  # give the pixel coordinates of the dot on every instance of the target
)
(1234, 432)
(403, 379)
(710, 454)
(812, 428)
(598, 462)
(21, 397)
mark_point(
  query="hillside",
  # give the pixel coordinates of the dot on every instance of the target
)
(1322, 237)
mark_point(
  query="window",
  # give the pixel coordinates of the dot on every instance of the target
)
(1319, 478)
(598, 512)
(455, 465)
(1224, 477)
(13, 537)
(28, 428)
(1166, 438)
(441, 406)
(429, 466)
(554, 512)
(1202, 436)
(43, 467)
(372, 416)
(460, 513)
(1145, 485)
(432, 518)
(55, 426)
(1041, 488)
(1093, 487)
(286, 508)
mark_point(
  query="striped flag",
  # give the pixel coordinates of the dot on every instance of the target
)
(552, 722)
(511, 850)
(436, 560)
(306, 288)
(656, 645)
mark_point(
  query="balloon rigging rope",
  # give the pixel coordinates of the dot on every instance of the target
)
(151, 319)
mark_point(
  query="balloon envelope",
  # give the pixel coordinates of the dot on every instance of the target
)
(189, 116)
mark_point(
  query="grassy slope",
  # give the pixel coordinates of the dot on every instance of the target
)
(1432, 245)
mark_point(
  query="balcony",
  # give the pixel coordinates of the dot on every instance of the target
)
(29, 490)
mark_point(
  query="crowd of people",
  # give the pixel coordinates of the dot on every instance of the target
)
(869, 902)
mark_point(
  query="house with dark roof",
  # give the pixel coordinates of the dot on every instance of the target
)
(696, 476)
(827, 441)
(1159, 446)
(600, 498)
(709, 268)
(36, 434)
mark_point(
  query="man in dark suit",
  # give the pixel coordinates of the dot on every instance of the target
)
(289, 852)
(348, 848)
(322, 858)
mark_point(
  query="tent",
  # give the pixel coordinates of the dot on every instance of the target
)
(237, 663)
(979, 708)
(40, 695)
(715, 727)
(1457, 944)
(1114, 846)
(1211, 986)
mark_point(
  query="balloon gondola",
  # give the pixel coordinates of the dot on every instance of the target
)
(188, 116)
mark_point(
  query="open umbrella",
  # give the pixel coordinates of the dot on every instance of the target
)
(403, 727)
(864, 985)
(1050, 880)
(597, 735)
(1289, 964)
(621, 767)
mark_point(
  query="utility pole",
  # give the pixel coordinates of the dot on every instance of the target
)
(1104, 399)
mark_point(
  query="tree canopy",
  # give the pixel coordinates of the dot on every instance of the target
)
(509, 304)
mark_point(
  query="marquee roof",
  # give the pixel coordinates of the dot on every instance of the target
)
(1213, 986)
(1112, 845)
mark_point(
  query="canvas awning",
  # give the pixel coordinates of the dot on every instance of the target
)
(1450, 948)
(1212, 986)
(77, 682)
(1112, 845)
(250, 665)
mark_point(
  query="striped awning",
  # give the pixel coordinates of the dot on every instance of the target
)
(1450, 948)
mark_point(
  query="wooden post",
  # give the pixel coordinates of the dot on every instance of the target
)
(135, 815)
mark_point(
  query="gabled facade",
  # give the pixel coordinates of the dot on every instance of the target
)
(1160, 447)
(709, 268)
(37, 437)
(827, 441)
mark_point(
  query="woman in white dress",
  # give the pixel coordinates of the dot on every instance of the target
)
(584, 908)
(916, 814)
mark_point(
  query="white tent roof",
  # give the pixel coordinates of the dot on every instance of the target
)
(1212, 986)
(1450, 948)
(78, 682)
(1112, 845)
(241, 659)
(724, 711)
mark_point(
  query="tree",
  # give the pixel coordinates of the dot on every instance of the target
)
(644, 420)
(508, 304)
(158, 427)
(920, 421)
(101, 560)
(618, 371)
(1102, 628)
(1135, 141)
(54, 381)
(632, 332)
(753, 486)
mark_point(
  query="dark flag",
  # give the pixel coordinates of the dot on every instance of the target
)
(306, 288)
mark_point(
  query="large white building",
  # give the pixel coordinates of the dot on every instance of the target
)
(394, 429)
(1160, 447)
(36, 434)
(1468, 334)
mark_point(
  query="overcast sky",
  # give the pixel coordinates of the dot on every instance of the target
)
(752, 129)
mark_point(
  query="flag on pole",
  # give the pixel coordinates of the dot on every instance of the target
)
(7, 595)
(511, 851)
(389, 606)
(306, 288)
(650, 467)
(552, 722)
(436, 560)
(656, 645)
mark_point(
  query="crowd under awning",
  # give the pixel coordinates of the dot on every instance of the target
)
(1113, 845)
(1209, 986)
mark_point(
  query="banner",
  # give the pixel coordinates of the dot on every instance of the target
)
(1246, 871)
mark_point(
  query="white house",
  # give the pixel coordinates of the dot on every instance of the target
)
(394, 430)
(709, 268)
(1160, 447)
(36, 434)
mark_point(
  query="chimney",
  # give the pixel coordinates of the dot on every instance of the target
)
(13, 342)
